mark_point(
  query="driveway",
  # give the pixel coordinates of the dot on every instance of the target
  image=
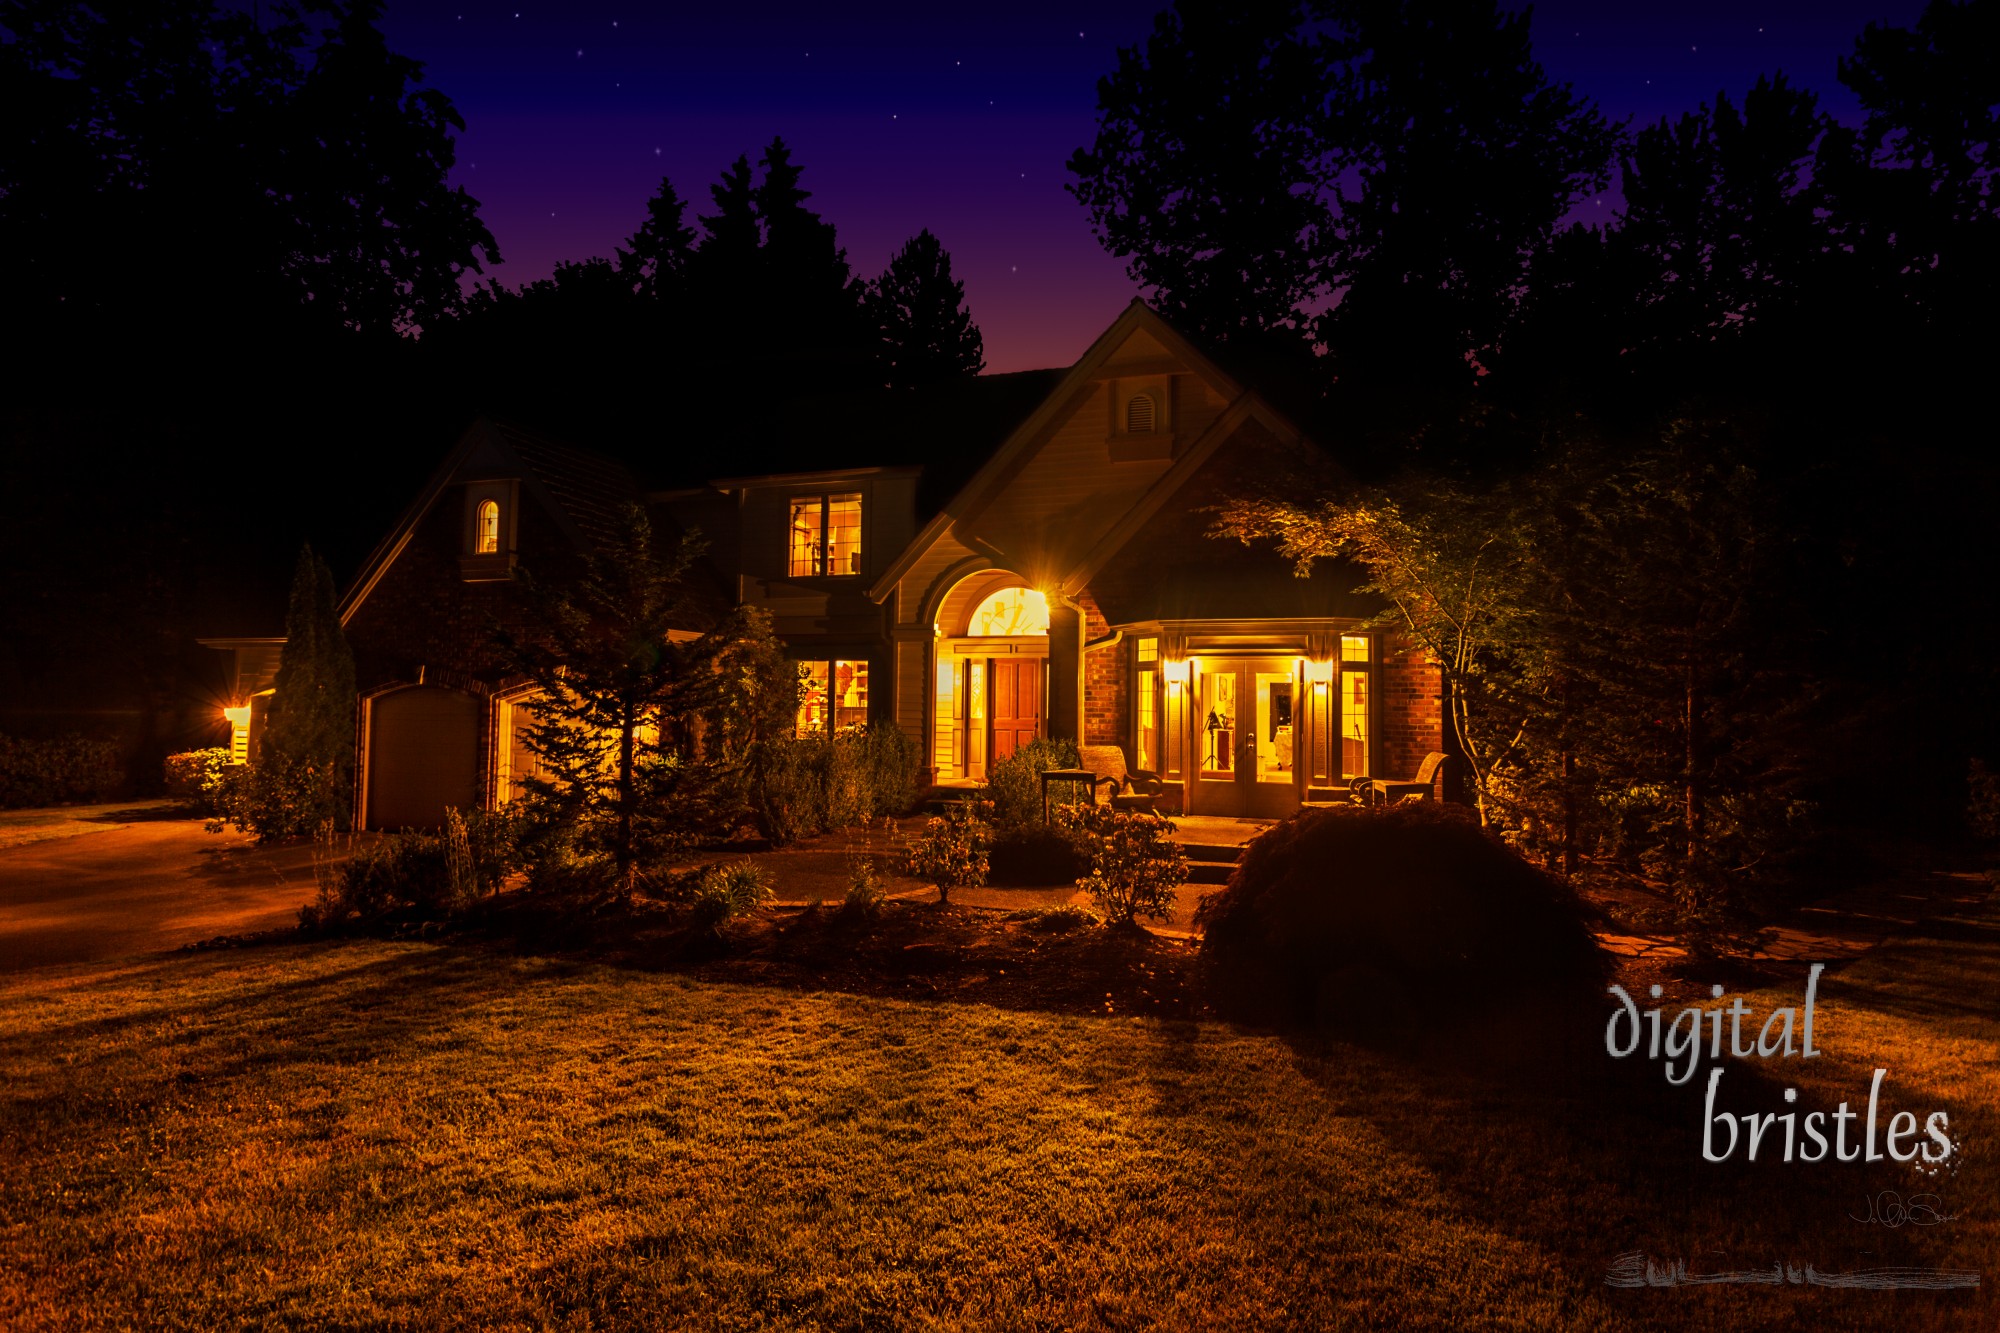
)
(109, 881)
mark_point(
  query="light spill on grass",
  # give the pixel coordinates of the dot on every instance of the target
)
(380, 1134)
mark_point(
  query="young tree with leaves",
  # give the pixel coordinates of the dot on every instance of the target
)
(927, 334)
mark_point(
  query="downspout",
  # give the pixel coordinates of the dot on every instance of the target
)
(1111, 640)
(1069, 603)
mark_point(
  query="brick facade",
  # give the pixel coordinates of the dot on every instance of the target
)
(1411, 709)
(1107, 713)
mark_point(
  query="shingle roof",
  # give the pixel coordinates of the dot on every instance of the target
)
(590, 487)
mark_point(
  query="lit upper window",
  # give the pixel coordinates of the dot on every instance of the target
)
(825, 535)
(486, 530)
(1011, 611)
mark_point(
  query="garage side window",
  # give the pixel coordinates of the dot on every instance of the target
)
(486, 528)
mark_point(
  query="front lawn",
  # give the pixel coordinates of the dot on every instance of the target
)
(400, 1134)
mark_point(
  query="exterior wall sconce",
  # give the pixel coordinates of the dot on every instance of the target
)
(238, 718)
(1176, 673)
(1319, 673)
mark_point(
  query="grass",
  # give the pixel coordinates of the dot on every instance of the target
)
(377, 1134)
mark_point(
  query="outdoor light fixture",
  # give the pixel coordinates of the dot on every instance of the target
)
(1319, 673)
(1176, 673)
(238, 716)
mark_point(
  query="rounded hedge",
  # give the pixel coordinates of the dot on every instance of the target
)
(1368, 919)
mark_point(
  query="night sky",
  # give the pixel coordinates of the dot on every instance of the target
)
(958, 120)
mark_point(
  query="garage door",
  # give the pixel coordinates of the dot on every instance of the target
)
(423, 755)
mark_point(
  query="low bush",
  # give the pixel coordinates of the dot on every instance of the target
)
(195, 779)
(806, 785)
(725, 892)
(950, 852)
(1135, 865)
(433, 874)
(1015, 785)
(1036, 854)
(1056, 920)
(1370, 919)
(63, 770)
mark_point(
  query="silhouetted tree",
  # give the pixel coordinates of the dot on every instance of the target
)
(1378, 172)
(294, 171)
(927, 334)
(655, 258)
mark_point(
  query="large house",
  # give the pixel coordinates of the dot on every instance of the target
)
(1028, 556)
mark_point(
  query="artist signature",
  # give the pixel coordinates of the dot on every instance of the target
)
(1892, 1210)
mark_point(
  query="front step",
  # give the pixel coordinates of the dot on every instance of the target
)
(1211, 862)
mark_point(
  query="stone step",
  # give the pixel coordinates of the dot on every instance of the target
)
(1228, 852)
(1209, 872)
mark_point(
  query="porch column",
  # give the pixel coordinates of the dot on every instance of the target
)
(1065, 670)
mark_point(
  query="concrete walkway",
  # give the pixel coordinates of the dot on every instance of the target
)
(120, 880)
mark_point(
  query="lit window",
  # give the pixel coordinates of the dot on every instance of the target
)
(1011, 611)
(1354, 724)
(833, 697)
(488, 528)
(812, 699)
(1354, 647)
(850, 696)
(1149, 651)
(825, 535)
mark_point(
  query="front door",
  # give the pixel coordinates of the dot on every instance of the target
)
(1245, 759)
(1016, 703)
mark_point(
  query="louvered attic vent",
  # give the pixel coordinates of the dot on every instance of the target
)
(1139, 415)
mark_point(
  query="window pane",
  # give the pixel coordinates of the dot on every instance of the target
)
(1274, 727)
(1354, 647)
(489, 527)
(1353, 724)
(1011, 611)
(806, 517)
(812, 698)
(1149, 650)
(850, 695)
(843, 541)
(1218, 705)
(1146, 744)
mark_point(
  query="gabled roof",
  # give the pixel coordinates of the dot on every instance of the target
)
(581, 490)
(1064, 389)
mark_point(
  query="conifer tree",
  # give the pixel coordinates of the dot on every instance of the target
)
(927, 334)
(306, 755)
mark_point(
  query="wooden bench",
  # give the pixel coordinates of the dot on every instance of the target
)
(1131, 789)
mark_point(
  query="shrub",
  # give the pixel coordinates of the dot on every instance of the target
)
(1056, 920)
(1037, 853)
(1369, 918)
(436, 874)
(63, 770)
(951, 850)
(725, 892)
(865, 891)
(1015, 785)
(195, 778)
(1135, 865)
(815, 784)
(1982, 805)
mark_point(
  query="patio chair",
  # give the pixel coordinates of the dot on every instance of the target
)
(1131, 789)
(1386, 791)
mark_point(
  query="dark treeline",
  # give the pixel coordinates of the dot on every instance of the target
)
(1735, 442)
(246, 307)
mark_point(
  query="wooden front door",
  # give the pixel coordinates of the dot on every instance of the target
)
(1016, 703)
(1245, 728)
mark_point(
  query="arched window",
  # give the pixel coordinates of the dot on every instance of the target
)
(1011, 611)
(487, 528)
(1141, 415)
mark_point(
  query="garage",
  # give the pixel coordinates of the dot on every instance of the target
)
(423, 756)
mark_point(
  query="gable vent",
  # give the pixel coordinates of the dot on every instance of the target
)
(1139, 415)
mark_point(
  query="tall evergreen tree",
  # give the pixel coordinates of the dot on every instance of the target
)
(306, 755)
(656, 256)
(927, 333)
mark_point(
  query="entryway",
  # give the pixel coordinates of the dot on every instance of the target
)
(1244, 729)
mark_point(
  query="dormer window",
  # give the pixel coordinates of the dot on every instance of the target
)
(486, 528)
(1142, 414)
(825, 536)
